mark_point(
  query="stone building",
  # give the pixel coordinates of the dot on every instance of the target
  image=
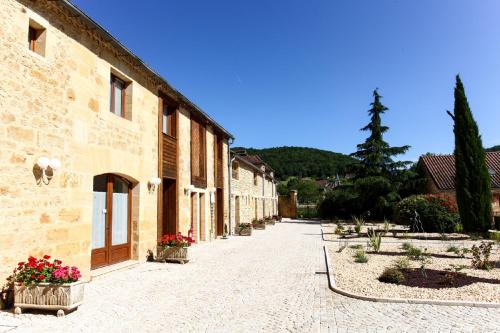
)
(87, 130)
(440, 173)
(253, 189)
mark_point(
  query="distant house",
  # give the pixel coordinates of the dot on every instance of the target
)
(440, 173)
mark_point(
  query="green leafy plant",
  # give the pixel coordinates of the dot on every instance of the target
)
(458, 228)
(402, 263)
(358, 223)
(415, 253)
(392, 275)
(481, 256)
(424, 260)
(360, 257)
(387, 225)
(406, 246)
(339, 230)
(356, 247)
(374, 240)
(453, 274)
(453, 249)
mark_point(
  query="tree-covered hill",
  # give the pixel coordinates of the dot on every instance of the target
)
(494, 148)
(303, 162)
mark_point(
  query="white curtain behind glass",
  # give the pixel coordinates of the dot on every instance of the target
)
(120, 219)
(98, 220)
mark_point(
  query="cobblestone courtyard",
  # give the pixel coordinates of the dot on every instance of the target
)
(273, 281)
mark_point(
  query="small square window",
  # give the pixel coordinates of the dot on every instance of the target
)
(36, 38)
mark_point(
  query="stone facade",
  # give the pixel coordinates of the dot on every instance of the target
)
(57, 104)
(253, 191)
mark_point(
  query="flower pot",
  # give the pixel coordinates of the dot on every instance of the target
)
(245, 232)
(259, 225)
(172, 253)
(47, 296)
(270, 222)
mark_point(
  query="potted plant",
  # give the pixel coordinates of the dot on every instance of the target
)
(47, 285)
(245, 229)
(277, 218)
(269, 221)
(174, 248)
(224, 235)
(259, 224)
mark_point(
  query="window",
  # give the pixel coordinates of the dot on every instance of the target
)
(168, 119)
(36, 38)
(117, 97)
(235, 170)
(255, 178)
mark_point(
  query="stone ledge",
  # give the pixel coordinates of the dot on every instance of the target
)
(334, 288)
(112, 268)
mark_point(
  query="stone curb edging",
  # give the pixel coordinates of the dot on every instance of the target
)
(332, 285)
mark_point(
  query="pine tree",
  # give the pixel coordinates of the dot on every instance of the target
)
(378, 177)
(375, 154)
(473, 183)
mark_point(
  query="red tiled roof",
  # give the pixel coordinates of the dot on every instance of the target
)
(442, 169)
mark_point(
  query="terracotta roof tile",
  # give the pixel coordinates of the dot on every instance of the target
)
(442, 169)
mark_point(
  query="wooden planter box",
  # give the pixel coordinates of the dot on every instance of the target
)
(245, 231)
(259, 226)
(47, 296)
(175, 254)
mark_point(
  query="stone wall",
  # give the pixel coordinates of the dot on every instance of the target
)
(57, 105)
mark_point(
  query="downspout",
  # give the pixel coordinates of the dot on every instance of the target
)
(264, 195)
(230, 160)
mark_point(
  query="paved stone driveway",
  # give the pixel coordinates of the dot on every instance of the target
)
(270, 282)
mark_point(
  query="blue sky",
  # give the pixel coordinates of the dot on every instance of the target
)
(301, 73)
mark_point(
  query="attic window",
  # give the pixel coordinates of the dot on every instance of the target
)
(36, 38)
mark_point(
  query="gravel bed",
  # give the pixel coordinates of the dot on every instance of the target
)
(362, 278)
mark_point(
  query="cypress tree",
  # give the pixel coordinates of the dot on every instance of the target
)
(473, 182)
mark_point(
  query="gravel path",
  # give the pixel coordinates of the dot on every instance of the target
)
(270, 282)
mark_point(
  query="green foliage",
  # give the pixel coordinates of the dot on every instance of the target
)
(360, 257)
(436, 213)
(375, 154)
(392, 275)
(339, 229)
(379, 178)
(402, 263)
(414, 253)
(481, 256)
(494, 148)
(453, 249)
(307, 189)
(387, 226)
(406, 246)
(374, 240)
(473, 183)
(359, 222)
(303, 162)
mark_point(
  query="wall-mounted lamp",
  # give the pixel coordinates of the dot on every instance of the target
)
(153, 184)
(48, 168)
(188, 189)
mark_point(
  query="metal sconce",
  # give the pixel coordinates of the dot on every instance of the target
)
(153, 184)
(48, 168)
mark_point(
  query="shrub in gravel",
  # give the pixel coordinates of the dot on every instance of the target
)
(356, 247)
(481, 256)
(402, 263)
(414, 253)
(360, 257)
(453, 249)
(392, 275)
(406, 246)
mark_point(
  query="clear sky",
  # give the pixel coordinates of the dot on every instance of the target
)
(301, 73)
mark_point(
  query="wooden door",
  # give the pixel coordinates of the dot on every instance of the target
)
(169, 223)
(111, 220)
(219, 207)
(237, 210)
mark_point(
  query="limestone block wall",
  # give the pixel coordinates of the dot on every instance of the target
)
(57, 105)
(245, 190)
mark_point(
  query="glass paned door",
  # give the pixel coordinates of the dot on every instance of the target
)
(119, 228)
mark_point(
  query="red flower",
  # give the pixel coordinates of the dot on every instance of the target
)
(41, 277)
(32, 264)
(20, 263)
(46, 257)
